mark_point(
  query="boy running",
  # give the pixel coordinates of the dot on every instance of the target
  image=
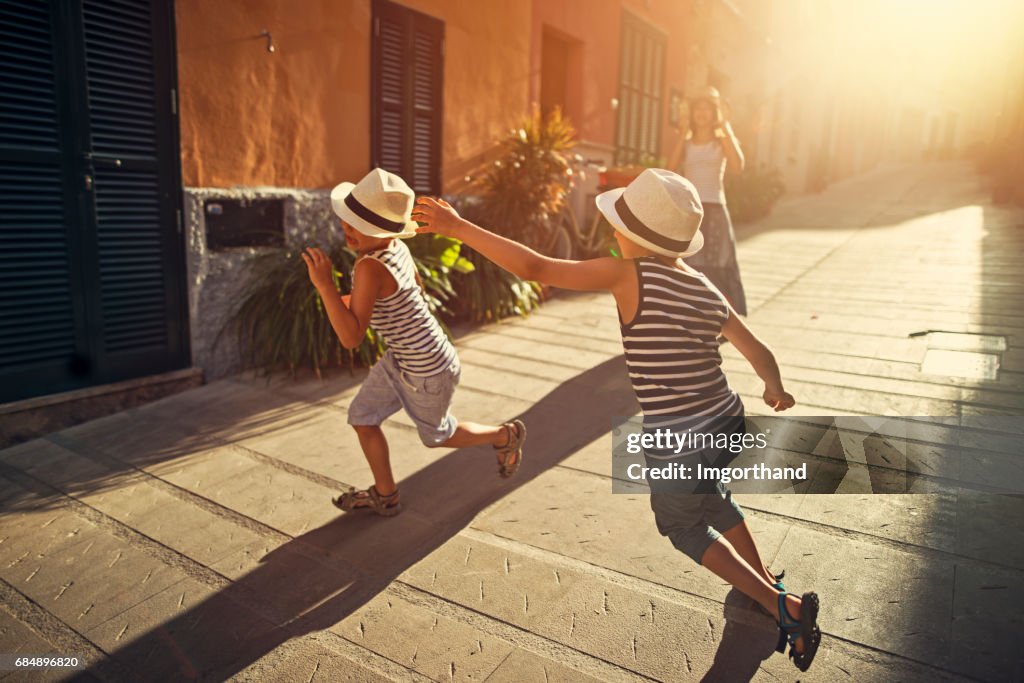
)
(671, 318)
(420, 370)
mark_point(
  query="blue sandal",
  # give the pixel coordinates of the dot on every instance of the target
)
(807, 628)
(781, 587)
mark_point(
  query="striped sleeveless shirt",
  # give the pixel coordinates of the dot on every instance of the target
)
(671, 345)
(415, 339)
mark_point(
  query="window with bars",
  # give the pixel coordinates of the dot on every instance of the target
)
(407, 76)
(641, 84)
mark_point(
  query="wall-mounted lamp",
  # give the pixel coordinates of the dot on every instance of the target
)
(270, 40)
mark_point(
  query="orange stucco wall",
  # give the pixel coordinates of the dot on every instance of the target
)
(300, 117)
(594, 24)
(597, 25)
(296, 117)
(486, 76)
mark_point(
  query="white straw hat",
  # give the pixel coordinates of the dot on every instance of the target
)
(380, 205)
(660, 210)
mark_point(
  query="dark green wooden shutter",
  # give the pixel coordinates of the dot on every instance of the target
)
(135, 225)
(407, 81)
(37, 321)
(92, 268)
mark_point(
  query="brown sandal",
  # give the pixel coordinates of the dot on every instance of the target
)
(369, 499)
(512, 450)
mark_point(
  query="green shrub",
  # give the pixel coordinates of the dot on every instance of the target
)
(491, 293)
(280, 323)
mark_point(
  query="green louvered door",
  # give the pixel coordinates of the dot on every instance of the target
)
(92, 269)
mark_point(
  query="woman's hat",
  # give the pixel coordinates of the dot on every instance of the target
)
(379, 205)
(660, 210)
(706, 94)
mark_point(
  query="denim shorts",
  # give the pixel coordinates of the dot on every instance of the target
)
(427, 400)
(693, 521)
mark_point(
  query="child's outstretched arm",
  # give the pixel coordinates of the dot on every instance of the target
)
(349, 315)
(761, 359)
(436, 215)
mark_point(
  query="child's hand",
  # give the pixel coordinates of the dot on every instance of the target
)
(320, 268)
(778, 399)
(436, 215)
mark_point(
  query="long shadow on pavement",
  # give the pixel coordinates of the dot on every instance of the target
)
(743, 647)
(315, 580)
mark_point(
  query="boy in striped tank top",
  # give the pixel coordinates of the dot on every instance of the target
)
(420, 369)
(671, 318)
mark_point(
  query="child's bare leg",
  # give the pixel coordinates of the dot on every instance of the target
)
(469, 434)
(375, 448)
(740, 538)
(723, 559)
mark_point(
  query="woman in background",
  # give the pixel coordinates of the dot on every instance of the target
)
(706, 148)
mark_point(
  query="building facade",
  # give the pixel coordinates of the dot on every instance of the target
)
(150, 149)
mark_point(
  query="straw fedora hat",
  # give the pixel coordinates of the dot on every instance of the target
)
(379, 205)
(660, 210)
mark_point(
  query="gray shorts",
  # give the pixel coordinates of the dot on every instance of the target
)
(693, 521)
(427, 400)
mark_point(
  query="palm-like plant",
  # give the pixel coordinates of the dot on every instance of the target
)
(524, 190)
(522, 193)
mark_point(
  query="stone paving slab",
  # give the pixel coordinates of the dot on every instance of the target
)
(184, 631)
(308, 389)
(880, 596)
(543, 340)
(178, 524)
(516, 347)
(281, 500)
(835, 398)
(575, 515)
(70, 578)
(313, 660)
(804, 302)
(896, 327)
(529, 368)
(17, 638)
(434, 646)
(523, 666)
(790, 358)
(944, 394)
(324, 444)
(626, 627)
(639, 626)
(987, 624)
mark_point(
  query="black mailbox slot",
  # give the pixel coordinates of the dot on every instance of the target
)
(234, 223)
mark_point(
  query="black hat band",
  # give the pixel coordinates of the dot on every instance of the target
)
(638, 228)
(371, 217)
